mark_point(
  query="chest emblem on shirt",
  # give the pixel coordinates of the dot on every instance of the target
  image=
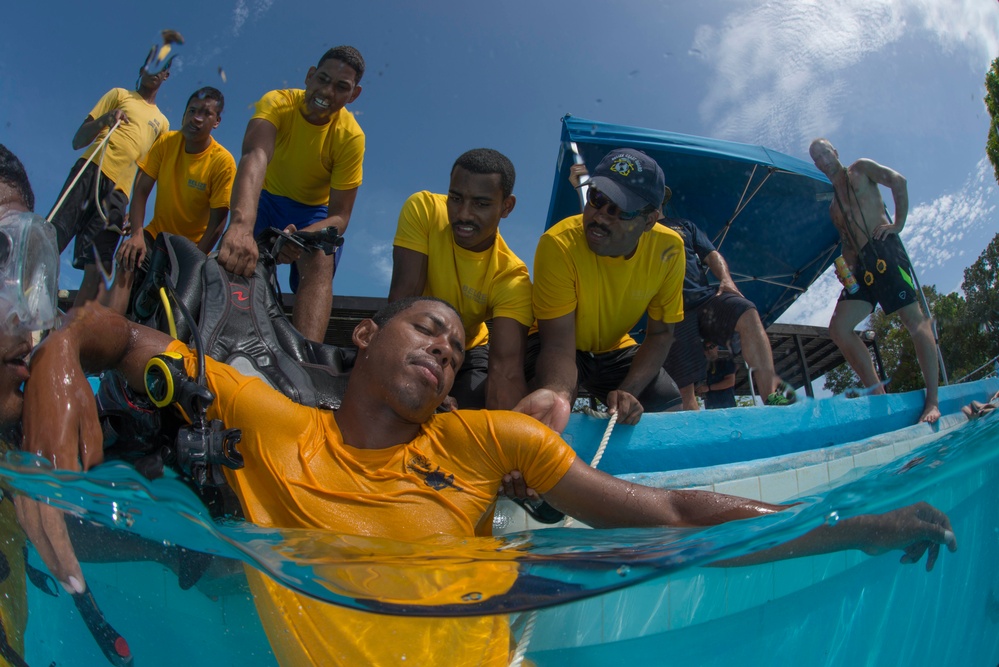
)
(197, 185)
(433, 477)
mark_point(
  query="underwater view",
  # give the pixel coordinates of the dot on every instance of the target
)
(591, 596)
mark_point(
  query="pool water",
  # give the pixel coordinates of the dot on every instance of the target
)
(642, 597)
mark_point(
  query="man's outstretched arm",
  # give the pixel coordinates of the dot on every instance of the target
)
(604, 501)
(238, 252)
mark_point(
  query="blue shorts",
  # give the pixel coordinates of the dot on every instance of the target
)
(277, 211)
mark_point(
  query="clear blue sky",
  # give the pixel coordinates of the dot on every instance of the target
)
(900, 82)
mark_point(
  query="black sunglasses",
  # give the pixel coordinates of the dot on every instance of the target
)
(598, 200)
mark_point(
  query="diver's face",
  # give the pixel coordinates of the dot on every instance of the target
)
(416, 354)
(14, 347)
(475, 206)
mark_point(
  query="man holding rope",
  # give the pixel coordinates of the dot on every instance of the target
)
(119, 131)
(884, 273)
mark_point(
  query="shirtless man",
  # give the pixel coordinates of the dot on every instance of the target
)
(874, 252)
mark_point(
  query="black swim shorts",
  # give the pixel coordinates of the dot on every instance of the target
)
(78, 217)
(885, 276)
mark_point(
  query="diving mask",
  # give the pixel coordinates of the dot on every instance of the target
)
(29, 273)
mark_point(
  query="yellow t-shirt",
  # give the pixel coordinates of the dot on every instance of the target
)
(300, 474)
(188, 185)
(132, 140)
(609, 294)
(480, 285)
(310, 159)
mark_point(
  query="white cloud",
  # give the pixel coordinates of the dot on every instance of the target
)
(381, 261)
(934, 230)
(780, 67)
(242, 12)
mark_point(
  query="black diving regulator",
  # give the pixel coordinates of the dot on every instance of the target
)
(204, 445)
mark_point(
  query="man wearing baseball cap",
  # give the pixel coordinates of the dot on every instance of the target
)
(595, 275)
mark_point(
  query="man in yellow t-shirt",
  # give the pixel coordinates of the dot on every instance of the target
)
(386, 465)
(111, 173)
(193, 176)
(301, 166)
(449, 246)
(595, 275)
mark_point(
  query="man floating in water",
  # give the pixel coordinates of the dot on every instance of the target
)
(874, 251)
(365, 469)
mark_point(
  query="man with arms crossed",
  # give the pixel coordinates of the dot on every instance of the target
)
(366, 470)
(301, 166)
(874, 252)
(595, 275)
(449, 246)
(193, 174)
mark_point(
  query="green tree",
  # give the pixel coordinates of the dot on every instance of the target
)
(992, 102)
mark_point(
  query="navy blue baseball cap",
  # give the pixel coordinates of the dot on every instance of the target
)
(631, 179)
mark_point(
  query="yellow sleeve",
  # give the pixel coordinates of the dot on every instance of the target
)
(154, 158)
(667, 305)
(413, 229)
(531, 447)
(348, 159)
(272, 107)
(223, 174)
(512, 294)
(554, 293)
(109, 101)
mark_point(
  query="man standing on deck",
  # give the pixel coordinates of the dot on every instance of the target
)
(301, 166)
(449, 246)
(717, 315)
(108, 176)
(193, 174)
(387, 465)
(874, 252)
(595, 275)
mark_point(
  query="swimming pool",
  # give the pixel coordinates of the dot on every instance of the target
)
(842, 609)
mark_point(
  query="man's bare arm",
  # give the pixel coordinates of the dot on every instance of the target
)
(555, 374)
(895, 182)
(505, 384)
(216, 225)
(644, 367)
(60, 414)
(409, 273)
(133, 249)
(340, 207)
(719, 269)
(604, 501)
(238, 252)
(91, 127)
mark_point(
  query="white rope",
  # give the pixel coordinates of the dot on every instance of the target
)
(102, 149)
(525, 640)
(532, 617)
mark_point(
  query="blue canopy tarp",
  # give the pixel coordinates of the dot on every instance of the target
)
(766, 212)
